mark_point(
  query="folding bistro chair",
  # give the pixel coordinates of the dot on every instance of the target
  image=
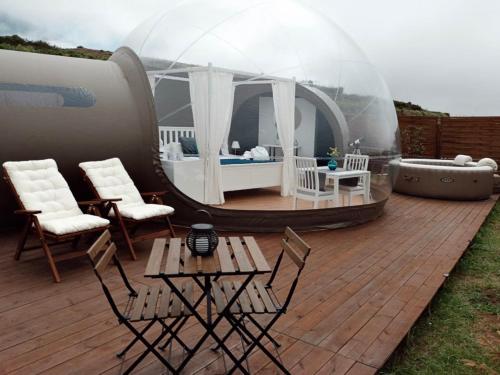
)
(260, 298)
(109, 180)
(152, 304)
(51, 210)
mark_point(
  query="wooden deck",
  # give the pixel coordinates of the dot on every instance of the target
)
(362, 290)
(270, 199)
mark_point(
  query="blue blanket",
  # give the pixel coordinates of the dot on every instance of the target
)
(242, 161)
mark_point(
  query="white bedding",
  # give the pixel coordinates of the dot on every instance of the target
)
(188, 175)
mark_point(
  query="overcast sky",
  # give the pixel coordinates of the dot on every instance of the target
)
(441, 54)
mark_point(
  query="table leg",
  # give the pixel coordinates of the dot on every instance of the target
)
(336, 192)
(210, 328)
(208, 293)
(367, 188)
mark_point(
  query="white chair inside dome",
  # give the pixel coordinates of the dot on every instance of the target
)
(354, 162)
(307, 183)
(51, 209)
(110, 181)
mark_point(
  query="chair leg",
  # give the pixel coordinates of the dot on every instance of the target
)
(74, 243)
(123, 228)
(234, 327)
(256, 342)
(256, 323)
(132, 343)
(150, 349)
(294, 203)
(316, 204)
(172, 232)
(349, 200)
(128, 240)
(22, 240)
(182, 321)
(173, 335)
(175, 331)
(48, 253)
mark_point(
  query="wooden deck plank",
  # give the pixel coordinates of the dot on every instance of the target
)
(344, 301)
(360, 293)
(411, 272)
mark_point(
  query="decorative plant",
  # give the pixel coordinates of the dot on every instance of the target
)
(333, 152)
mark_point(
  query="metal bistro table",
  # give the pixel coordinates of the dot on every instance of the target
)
(339, 174)
(234, 256)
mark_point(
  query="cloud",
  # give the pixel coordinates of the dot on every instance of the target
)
(10, 25)
(444, 55)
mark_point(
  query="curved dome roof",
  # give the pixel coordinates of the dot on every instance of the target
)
(280, 38)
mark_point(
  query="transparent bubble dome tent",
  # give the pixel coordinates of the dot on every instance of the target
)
(243, 88)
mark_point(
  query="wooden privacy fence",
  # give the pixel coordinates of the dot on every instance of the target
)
(445, 137)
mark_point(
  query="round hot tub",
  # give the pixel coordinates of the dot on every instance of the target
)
(433, 178)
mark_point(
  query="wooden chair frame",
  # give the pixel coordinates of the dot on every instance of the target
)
(129, 226)
(104, 245)
(298, 251)
(307, 185)
(354, 162)
(33, 225)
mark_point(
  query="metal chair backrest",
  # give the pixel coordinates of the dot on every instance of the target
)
(298, 251)
(355, 162)
(306, 175)
(100, 263)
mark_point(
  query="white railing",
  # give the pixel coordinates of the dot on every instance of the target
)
(173, 133)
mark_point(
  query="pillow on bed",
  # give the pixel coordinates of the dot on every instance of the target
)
(462, 160)
(487, 162)
(259, 153)
(188, 145)
(173, 151)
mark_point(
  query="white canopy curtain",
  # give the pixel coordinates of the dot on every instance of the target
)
(284, 112)
(212, 96)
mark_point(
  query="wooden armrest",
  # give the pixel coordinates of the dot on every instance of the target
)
(154, 193)
(92, 202)
(112, 200)
(27, 212)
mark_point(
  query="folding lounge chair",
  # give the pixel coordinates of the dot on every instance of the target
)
(260, 299)
(52, 212)
(151, 304)
(109, 180)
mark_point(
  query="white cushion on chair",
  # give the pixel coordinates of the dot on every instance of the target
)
(144, 211)
(111, 180)
(73, 224)
(41, 187)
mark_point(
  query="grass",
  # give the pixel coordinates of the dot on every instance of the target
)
(16, 43)
(461, 333)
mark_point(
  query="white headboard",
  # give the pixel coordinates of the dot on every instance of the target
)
(173, 133)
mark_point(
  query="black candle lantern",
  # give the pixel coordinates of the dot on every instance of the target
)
(202, 239)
